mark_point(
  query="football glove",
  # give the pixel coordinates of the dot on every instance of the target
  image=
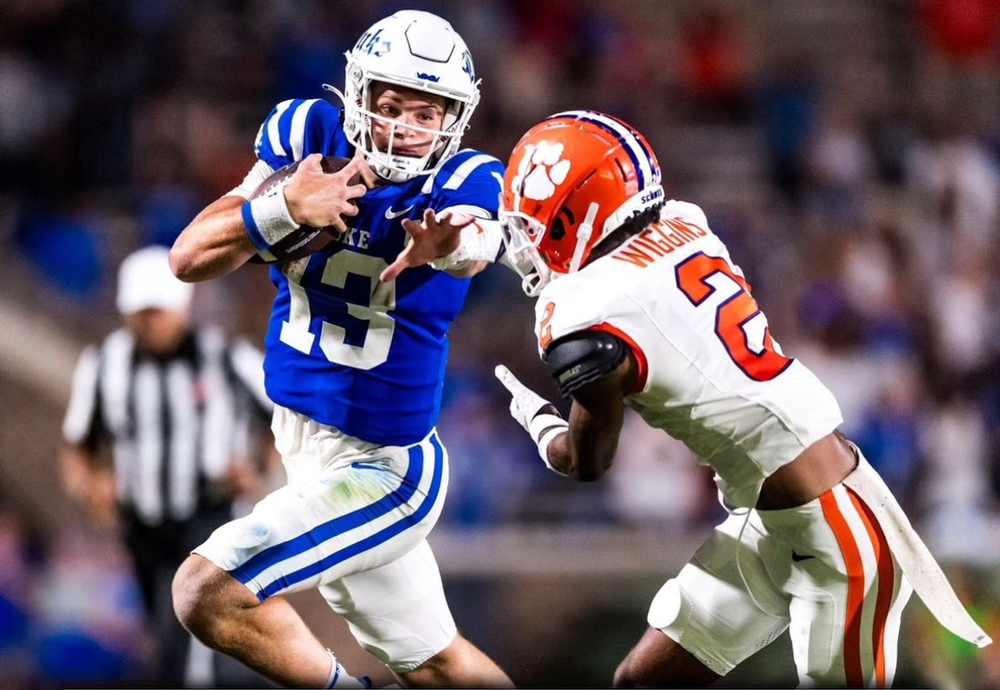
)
(526, 408)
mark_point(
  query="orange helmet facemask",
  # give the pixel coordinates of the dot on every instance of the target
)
(572, 180)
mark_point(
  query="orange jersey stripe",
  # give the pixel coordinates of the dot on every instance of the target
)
(855, 588)
(886, 584)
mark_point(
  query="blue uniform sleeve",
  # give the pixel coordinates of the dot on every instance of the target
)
(297, 128)
(470, 178)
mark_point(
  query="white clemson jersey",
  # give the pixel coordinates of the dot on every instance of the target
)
(710, 374)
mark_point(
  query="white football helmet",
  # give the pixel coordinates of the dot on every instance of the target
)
(421, 51)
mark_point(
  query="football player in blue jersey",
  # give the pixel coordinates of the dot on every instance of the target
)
(354, 364)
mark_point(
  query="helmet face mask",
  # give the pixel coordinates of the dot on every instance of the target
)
(572, 180)
(521, 235)
(403, 147)
(417, 51)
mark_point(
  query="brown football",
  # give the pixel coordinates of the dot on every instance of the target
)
(307, 239)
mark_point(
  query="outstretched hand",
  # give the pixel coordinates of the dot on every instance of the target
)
(536, 415)
(435, 236)
(525, 404)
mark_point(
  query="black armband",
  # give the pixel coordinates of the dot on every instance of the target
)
(577, 359)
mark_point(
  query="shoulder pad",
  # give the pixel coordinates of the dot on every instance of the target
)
(579, 358)
(468, 165)
(293, 129)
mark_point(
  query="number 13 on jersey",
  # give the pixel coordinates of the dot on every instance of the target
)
(736, 318)
(332, 338)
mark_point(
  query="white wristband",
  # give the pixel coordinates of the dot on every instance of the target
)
(267, 219)
(481, 241)
(543, 429)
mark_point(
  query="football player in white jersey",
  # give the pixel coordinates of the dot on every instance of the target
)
(640, 305)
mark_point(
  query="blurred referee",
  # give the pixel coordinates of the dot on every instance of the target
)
(178, 407)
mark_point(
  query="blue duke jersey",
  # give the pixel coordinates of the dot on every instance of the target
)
(342, 348)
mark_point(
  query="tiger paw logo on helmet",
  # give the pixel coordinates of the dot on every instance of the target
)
(541, 169)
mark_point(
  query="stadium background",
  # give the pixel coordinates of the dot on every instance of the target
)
(847, 152)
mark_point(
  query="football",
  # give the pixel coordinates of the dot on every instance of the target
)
(307, 239)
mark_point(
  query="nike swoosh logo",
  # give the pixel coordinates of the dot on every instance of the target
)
(392, 215)
(797, 557)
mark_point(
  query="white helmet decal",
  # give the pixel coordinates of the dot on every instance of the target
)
(541, 171)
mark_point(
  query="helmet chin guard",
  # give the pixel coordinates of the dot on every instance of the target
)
(415, 50)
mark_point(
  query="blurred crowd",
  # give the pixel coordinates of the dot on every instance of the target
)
(848, 154)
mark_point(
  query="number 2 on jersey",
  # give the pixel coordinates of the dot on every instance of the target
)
(332, 338)
(732, 316)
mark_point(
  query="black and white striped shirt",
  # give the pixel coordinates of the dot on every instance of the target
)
(175, 424)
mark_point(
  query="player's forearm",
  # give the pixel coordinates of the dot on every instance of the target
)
(560, 454)
(582, 447)
(214, 244)
(588, 448)
(582, 462)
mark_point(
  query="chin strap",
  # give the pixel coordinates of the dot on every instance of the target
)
(583, 236)
(334, 89)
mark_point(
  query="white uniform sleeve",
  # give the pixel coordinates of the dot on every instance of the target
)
(82, 412)
(481, 241)
(566, 305)
(572, 304)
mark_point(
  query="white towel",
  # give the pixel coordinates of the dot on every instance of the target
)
(913, 556)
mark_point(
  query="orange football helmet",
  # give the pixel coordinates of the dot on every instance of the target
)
(572, 180)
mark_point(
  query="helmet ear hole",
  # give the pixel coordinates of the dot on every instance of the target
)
(558, 229)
